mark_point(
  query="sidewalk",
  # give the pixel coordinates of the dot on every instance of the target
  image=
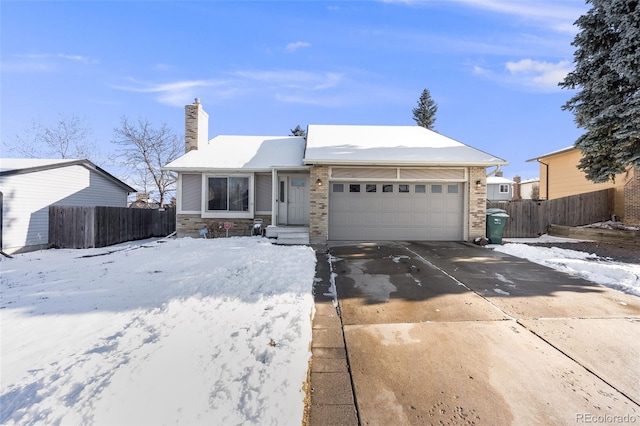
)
(332, 400)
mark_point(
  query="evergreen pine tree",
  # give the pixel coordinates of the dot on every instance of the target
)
(425, 113)
(298, 131)
(607, 76)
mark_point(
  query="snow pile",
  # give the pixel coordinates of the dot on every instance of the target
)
(187, 331)
(621, 276)
(609, 224)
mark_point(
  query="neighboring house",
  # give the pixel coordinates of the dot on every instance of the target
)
(353, 183)
(499, 188)
(30, 186)
(560, 177)
(530, 189)
(144, 201)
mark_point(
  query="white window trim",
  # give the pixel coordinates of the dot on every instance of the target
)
(506, 185)
(209, 214)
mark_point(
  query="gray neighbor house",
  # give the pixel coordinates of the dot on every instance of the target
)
(339, 183)
(499, 188)
(28, 186)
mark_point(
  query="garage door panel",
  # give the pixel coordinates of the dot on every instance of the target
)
(425, 212)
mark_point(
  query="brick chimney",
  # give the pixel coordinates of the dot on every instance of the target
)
(516, 188)
(196, 126)
(499, 173)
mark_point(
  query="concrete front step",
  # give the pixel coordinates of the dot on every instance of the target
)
(293, 238)
(288, 234)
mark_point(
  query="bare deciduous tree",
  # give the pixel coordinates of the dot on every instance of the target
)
(69, 137)
(144, 150)
(535, 192)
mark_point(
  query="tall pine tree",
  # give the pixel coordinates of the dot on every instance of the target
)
(298, 131)
(607, 76)
(425, 113)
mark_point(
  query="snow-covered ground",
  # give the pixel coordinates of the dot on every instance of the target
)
(621, 276)
(183, 332)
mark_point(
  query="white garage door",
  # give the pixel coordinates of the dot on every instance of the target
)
(396, 211)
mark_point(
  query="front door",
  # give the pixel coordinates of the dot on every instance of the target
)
(293, 200)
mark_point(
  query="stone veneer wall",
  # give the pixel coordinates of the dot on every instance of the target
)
(632, 198)
(191, 127)
(319, 205)
(477, 202)
(189, 225)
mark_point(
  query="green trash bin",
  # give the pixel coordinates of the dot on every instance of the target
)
(496, 221)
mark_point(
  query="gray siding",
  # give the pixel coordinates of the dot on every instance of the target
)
(264, 190)
(191, 192)
(27, 197)
(494, 194)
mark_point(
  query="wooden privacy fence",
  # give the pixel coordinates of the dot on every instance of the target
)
(86, 227)
(529, 218)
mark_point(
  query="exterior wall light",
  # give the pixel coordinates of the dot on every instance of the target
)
(478, 183)
(318, 182)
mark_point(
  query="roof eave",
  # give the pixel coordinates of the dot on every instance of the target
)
(407, 163)
(551, 154)
(233, 170)
(85, 163)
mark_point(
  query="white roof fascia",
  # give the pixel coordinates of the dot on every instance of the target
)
(19, 166)
(236, 171)
(406, 163)
(10, 164)
(292, 168)
(559, 151)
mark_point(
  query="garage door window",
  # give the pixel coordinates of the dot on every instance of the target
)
(421, 189)
(436, 189)
(338, 187)
(387, 188)
(452, 189)
(403, 188)
(372, 188)
(354, 187)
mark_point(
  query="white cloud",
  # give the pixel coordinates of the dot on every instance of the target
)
(556, 15)
(480, 71)
(42, 62)
(78, 58)
(177, 93)
(540, 74)
(292, 47)
(293, 79)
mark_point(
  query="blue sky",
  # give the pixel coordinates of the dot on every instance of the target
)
(261, 68)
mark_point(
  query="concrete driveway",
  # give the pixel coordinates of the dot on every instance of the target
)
(452, 333)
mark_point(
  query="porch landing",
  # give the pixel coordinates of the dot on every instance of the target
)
(288, 235)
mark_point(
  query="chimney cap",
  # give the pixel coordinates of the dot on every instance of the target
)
(196, 101)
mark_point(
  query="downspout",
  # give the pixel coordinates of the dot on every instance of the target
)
(546, 178)
(494, 172)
